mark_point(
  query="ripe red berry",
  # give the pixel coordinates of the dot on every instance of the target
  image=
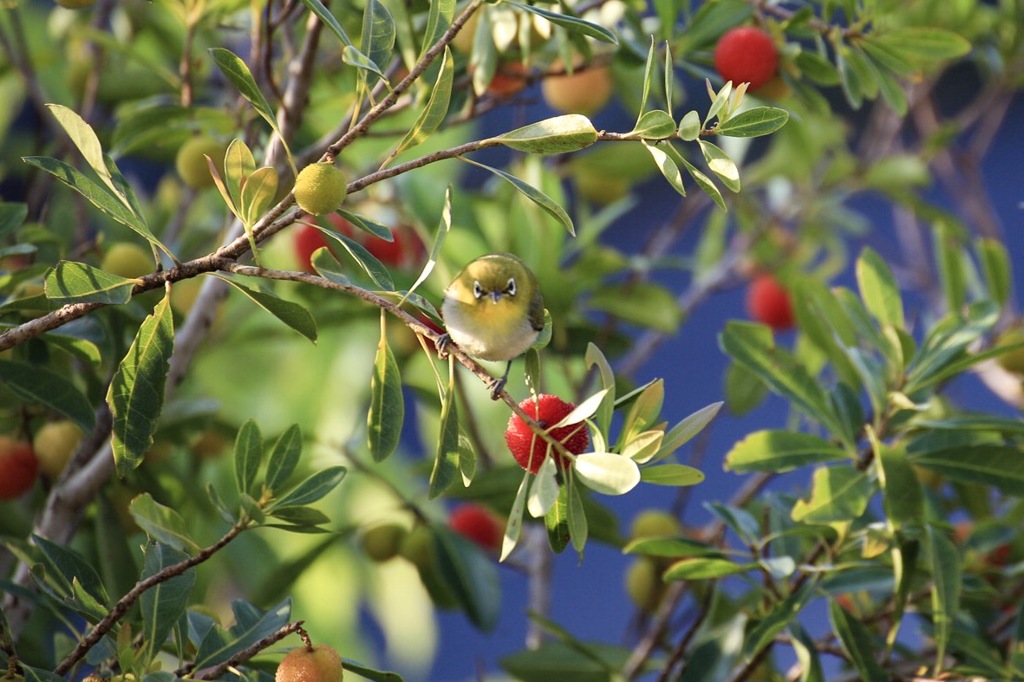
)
(307, 240)
(768, 302)
(405, 250)
(18, 468)
(746, 55)
(528, 448)
(479, 524)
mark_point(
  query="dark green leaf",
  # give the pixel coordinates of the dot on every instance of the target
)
(72, 282)
(311, 489)
(857, 642)
(68, 567)
(754, 122)
(12, 215)
(163, 604)
(387, 405)
(301, 516)
(248, 456)
(250, 627)
(778, 451)
(162, 523)
(557, 521)
(366, 260)
(136, 393)
(701, 568)
(351, 666)
(284, 457)
(318, 8)
(41, 385)
(562, 662)
(292, 314)
(780, 616)
(378, 36)
(238, 73)
(434, 113)
(446, 457)
(995, 263)
(944, 561)
(472, 576)
(1000, 466)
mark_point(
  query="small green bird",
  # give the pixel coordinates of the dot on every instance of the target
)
(493, 310)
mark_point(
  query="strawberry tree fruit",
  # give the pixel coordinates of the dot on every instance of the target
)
(528, 448)
(746, 55)
(768, 302)
(405, 249)
(53, 444)
(509, 79)
(644, 585)
(584, 91)
(479, 524)
(318, 664)
(383, 541)
(18, 468)
(190, 161)
(306, 241)
(654, 523)
(320, 188)
(127, 259)
(1012, 360)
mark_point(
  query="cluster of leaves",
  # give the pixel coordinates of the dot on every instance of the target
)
(106, 351)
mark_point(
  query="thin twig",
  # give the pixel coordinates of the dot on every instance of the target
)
(248, 652)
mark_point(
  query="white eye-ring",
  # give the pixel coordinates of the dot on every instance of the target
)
(511, 288)
(478, 290)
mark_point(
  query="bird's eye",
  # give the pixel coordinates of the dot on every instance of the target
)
(511, 288)
(478, 290)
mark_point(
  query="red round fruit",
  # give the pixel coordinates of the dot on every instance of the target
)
(18, 468)
(403, 251)
(509, 79)
(528, 448)
(307, 240)
(746, 55)
(768, 302)
(477, 523)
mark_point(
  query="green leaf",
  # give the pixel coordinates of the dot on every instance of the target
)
(585, 410)
(236, 71)
(12, 215)
(556, 521)
(248, 457)
(239, 164)
(670, 547)
(544, 490)
(41, 385)
(162, 523)
(779, 451)
(310, 489)
(284, 457)
(922, 45)
(164, 603)
(721, 165)
(366, 260)
(577, 519)
(995, 263)
(656, 124)
(369, 673)
(689, 126)
(672, 474)
(136, 393)
(607, 472)
(946, 345)
(557, 135)
(251, 626)
(472, 576)
(292, 314)
(258, 194)
(542, 200)
(514, 524)
(703, 181)
(85, 139)
(324, 14)
(436, 110)
(446, 458)
(352, 56)
(901, 489)
(72, 282)
(566, 662)
(752, 122)
(680, 434)
(603, 414)
(701, 568)
(378, 36)
(838, 493)
(944, 561)
(69, 569)
(752, 346)
(665, 163)
(857, 642)
(98, 195)
(568, 22)
(646, 304)
(439, 19)
(387, 406)
(1000, 466)
(950, 259)
(780, 616)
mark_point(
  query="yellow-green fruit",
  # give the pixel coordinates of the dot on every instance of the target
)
(184, 293)
(76, 4)
(655, 524)
(320, 188)
(463, 40)
(598, 187)
(383, 541)
(127, 260)
(581, 92)
(191, 161)
(53, 443)
(1012, 361)
(418, 547)
(322, 664)
(643, 584)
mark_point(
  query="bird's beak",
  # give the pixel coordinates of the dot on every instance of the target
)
(495, 296)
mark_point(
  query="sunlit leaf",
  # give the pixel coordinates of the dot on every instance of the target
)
(858, 643)
(292, 314)
(542, 200)
(436, 110)
(557, 135)
(163, 604)
(753, 122)
(671, 474)
(701, 568)
(568, 22)
(838, 493)
(72, 282)
(162, 523)
(607, 472)
(778, 451)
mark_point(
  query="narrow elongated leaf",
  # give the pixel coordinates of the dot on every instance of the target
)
(545, 202)
(378, 37)
(680, 434)
(702, 180)
(857, 642)
(162, 523)
(545, 489)
(68, 567)
(778, 619)
(12, 215)
(668, 167)
(838, 493)
(576, 519)
(921, 45)
(136, 393)
(324, 14)
(778, 451)
(366, 260)
(557, 135)
(85, 139)
(163, 604)
(443, 227)
(370, 673)
(607, 472)
(292, 314)
(446, 458)
(258, 193)
(991, 464)
(901, 488)
(585, 410)
(236, 71)
(439, 19)
(72, 282)
(721, 165)
(356, 58)
(754, 122)
(701, 568)
(387, 406)
(514, 524)
(472, 576)
(648, 78)
(879, 289)
(995, 263)
(603, 414)
(436, 110)
(239, 164)
(671, 474)
(248, 456)
(284, 457)
(568, 22)
(311, 489)
(41, 385)
(251, 625)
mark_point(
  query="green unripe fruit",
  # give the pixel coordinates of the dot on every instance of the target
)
(53, 444)
(320, 188)
(655, 524)
(418, 547)
(191, 161)
(1012, 361)
(644, 585)
(383, 541)
(321, 664)
(127, 260)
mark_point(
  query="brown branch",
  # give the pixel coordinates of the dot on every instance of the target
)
(248, 652)
(124, 603)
